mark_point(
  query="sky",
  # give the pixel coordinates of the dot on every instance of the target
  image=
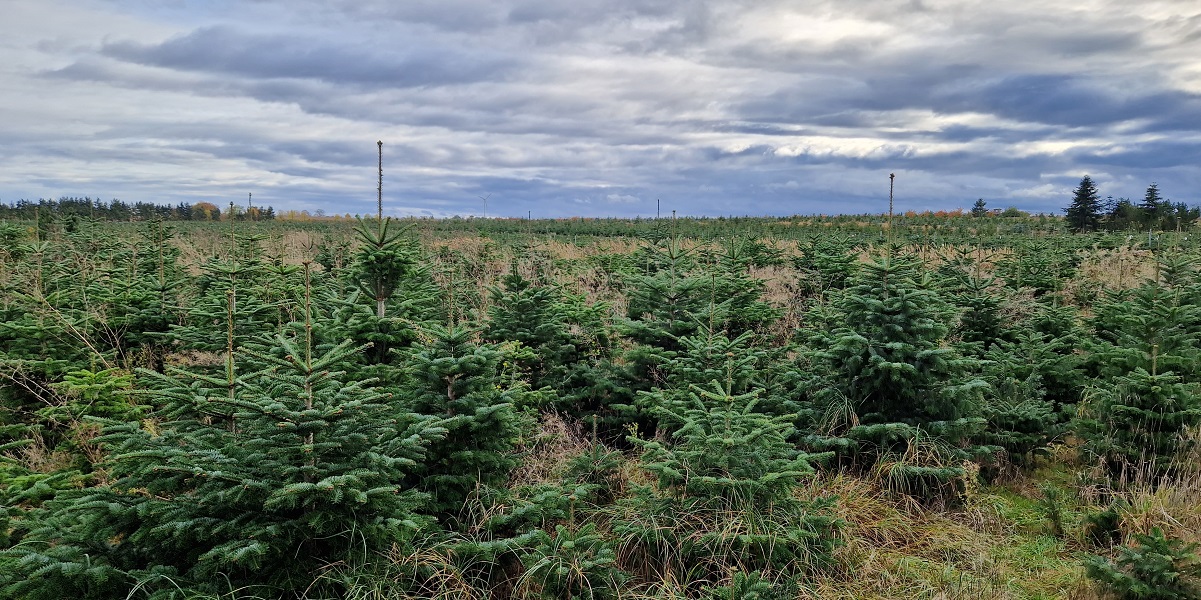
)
(555, 108)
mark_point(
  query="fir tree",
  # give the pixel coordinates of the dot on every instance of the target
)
(980, 208)
(677, 299)
(1021, 419)
(391, 295)
(827, 262)
(260, 484)
(565, 337)
(458, 381)
(1152, 207)
(384, 261)
(885, 378)
(972, 291)
(1134, 426)
(1084, 214)
(1145, 358)
(727, 463)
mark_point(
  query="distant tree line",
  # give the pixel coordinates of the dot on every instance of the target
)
(117, 210)
(1088, 212)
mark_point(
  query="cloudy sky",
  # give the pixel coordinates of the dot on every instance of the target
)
(600, 107)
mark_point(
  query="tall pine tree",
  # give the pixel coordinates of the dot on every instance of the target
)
(1084, 214)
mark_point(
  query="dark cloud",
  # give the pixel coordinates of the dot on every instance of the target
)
(1069, 100)
(1149, 156)
(229, 51)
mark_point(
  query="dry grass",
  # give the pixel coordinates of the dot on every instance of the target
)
(895, 548)
(37, 456)
(783, 290)
(195, 358)
(1172, 505)
(546, 455)
(1118, 269)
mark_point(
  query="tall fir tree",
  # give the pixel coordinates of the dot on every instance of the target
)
(980, 208)
(1152, 207)
(1084, 213)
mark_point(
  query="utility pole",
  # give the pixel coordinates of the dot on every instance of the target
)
(891, 177)
(379, 191)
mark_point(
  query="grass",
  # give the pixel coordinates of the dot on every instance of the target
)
(995, 546)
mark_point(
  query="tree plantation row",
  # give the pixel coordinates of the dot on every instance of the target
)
(825, 407)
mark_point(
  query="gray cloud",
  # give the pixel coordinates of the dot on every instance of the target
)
(229, 51)
(555, 108)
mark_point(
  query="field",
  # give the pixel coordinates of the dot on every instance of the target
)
(931, 406)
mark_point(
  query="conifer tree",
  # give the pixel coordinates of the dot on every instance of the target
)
(724, 462)
(228, 296)
(1039, 266)
(678, 298)
(980, 208)
(747, 364)
(1084, 214)
(566, 339)
(1145, 358)
(970, 289)
(885, 378)
(664, 299)
(393, 295)
(1135, 424)
(1128, 323)
(827, 262)
(256, 484)
(1152, 207)
(453, 378)
(1022, 419)
(735, 296)
(135, 295)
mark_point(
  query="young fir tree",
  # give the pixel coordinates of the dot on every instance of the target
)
(723, 494)
(1021, 418)
(254, 481)
(736, 304)
(136, 295)
(1134, 425)
(453, 378)
(228, 295)
(1051, 341)
(1145, 359)
(566, 339)
(747, 364)
(886, 380)
(389, 294)
(1039, 266)
(1164, 314)
(827, 262)
(664, 299)
(969, 288)
(677, 298)
(384, 262)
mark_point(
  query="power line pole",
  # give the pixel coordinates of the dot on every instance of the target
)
(379, 191)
